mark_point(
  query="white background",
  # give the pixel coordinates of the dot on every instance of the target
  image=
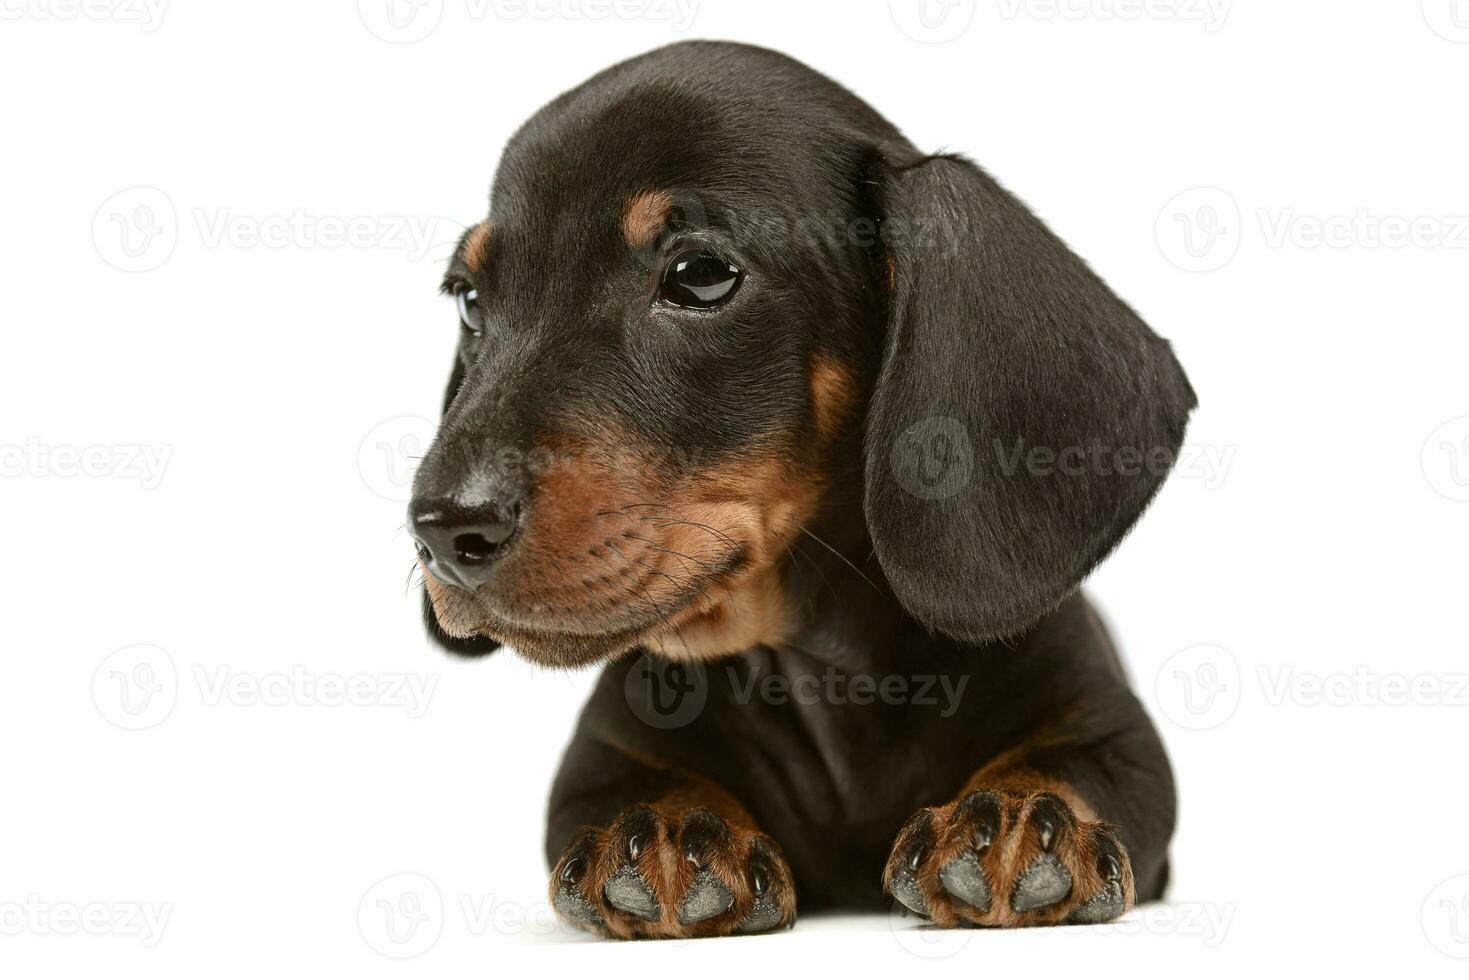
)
(209, 401)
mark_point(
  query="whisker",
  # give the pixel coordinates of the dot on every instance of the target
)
(812, 535)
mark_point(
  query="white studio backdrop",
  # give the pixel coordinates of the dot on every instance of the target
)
(229, 747)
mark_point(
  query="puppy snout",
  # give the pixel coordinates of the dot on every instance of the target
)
(461, 538)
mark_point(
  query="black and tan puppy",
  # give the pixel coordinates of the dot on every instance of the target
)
(810, 438)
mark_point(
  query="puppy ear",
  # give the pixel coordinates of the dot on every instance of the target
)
(476, 646)
(1023, 416)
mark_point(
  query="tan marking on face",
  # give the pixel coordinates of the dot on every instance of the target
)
(621, 549)
(890, 272)
(475, 243)
(644, 216)
(833, 392)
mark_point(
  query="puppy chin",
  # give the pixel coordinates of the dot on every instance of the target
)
(461, 615)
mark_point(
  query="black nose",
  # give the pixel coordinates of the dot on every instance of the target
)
(461, 540)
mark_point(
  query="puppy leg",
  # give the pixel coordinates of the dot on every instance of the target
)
(1029, 839)
(675, 857)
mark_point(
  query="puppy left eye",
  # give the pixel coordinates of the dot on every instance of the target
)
(699, 280)
(469, 313)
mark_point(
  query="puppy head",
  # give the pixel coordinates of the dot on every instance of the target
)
(682, 313)
(653, 373)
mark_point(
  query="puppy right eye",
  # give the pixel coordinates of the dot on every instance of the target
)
(469, 312)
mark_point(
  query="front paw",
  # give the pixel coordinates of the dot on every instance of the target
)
(1003, 858)
(658, 874)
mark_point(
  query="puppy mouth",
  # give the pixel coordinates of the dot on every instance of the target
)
(592, 620)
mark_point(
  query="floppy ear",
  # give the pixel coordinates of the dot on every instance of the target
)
(476, 646)
(1023, 416)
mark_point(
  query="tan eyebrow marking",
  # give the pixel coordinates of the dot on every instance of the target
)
(644, 215)
(473, 250)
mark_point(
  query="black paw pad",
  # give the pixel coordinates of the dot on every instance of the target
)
(572, 906)
(765, 915)
(627, 892)
(1104, 906)
(904, 882)
(1044, 883)
(706, 898)
(964, 879)
(1108, 903)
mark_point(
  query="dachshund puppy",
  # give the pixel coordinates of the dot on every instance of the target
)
(809, 438)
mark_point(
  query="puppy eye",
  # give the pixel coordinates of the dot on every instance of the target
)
(469, 314)
(699, 280)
